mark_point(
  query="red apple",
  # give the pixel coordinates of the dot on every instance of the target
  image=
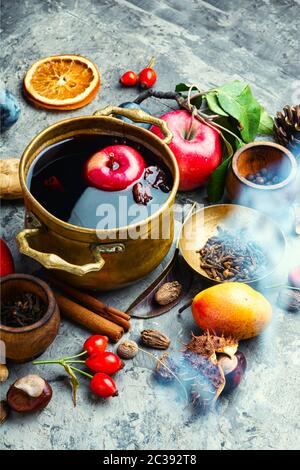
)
(114, 168)
(6, 260)
(197, 154)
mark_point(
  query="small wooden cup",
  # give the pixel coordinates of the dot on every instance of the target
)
(250, 159)
(26, 343)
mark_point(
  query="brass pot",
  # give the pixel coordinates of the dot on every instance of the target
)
(84, 257)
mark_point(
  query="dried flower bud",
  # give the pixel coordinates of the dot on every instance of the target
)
(155, 339)
(168, 292)
(3, 373)
(128, 349)
(4, 411)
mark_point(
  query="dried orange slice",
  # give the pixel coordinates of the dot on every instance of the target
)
(62, 82)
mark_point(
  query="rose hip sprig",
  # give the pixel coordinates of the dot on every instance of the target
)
(146, 78)
(104, 363)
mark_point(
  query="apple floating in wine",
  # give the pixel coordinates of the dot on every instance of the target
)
(114, 168)
(196, 147)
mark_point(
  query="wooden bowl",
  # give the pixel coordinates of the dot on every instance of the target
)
(202, 225)
(250, 159)
(26, 343)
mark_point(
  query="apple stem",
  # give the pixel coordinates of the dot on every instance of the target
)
(111, 161)
(188, 135)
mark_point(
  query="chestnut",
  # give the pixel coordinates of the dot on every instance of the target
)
(28, 394)
(234, 369)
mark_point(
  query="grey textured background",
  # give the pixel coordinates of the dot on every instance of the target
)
(206, 42)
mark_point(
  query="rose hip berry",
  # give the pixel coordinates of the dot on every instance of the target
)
(106, 362)
(147, 76)
(103, 385)
(95, 344)
(129, 78)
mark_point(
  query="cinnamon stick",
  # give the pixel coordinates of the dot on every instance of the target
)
(95, 305)
(88, 319)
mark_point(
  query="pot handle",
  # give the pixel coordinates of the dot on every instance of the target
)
(52, 261)
(137, 115)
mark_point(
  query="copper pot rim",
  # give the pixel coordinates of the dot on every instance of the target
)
(262, 143)
(51, 303)
(104, 233)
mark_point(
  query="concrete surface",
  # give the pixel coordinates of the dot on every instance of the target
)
(206, 42)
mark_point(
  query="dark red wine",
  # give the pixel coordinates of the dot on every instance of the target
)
(56, 180)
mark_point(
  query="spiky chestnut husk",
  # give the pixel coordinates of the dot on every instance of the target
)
(209, 381)
(209, 345)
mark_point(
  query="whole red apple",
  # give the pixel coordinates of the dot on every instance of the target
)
(197, 153)
(114, 168)
(6, 260)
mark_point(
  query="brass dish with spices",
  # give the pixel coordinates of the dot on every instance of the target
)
(227, 242)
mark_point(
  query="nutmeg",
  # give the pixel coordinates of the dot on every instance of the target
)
(168, 292)
(128, 349)
(155, 339)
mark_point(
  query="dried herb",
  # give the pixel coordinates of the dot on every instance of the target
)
(230, 256)
(22, 310)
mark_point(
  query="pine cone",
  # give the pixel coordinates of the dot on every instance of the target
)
(287, 128)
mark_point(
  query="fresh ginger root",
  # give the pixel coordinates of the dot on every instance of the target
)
(10, 187)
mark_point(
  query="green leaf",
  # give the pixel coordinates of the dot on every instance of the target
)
(216, 184)
(73, 380)
(182, 87)
(213, 104)
(227, 145)
(266, 123)
(237, 100)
